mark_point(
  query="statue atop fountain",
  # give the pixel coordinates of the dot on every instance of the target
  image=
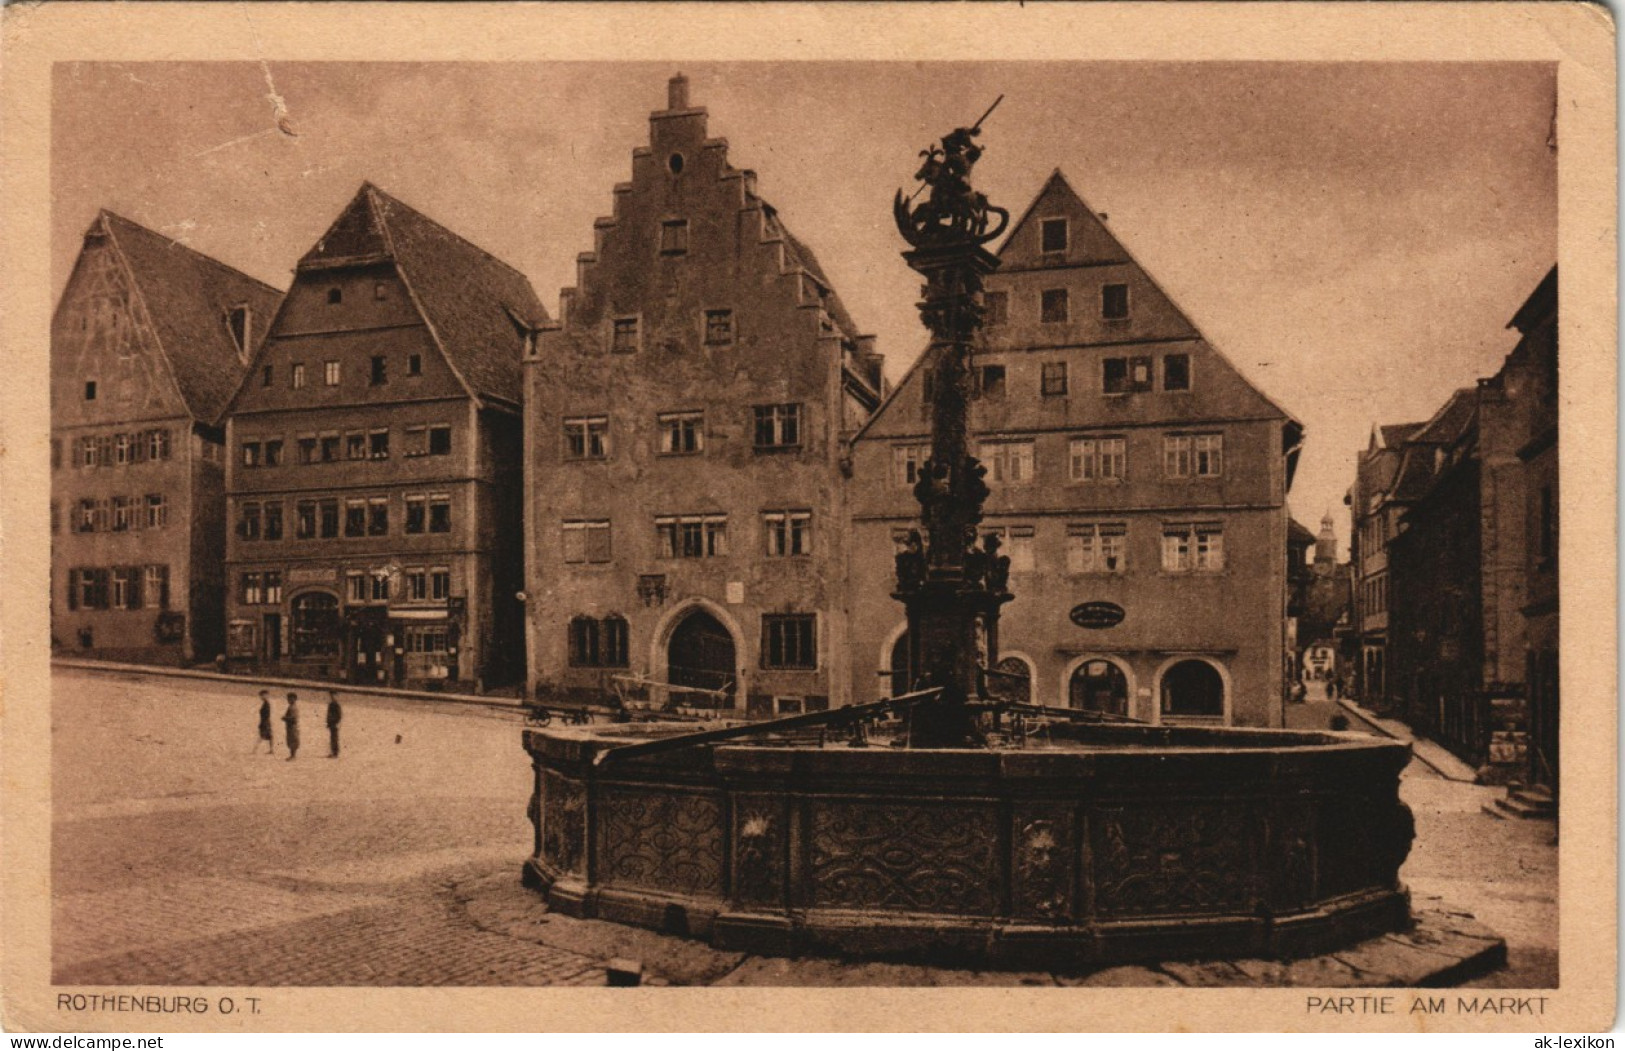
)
(953, 592)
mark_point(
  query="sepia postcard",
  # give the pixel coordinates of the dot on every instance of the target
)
(809, 517)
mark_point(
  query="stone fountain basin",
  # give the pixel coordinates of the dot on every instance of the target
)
(1109, 844)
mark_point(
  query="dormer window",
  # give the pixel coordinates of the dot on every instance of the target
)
(1052, 235)
(237, 320)
(674, 237)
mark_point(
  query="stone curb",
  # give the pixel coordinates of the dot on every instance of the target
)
(1426, 752)
(514, 705)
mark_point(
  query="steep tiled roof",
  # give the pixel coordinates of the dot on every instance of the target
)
(1395, 434)
(1297, 531)
(1451, 420)
(475, 303)
(188, 297)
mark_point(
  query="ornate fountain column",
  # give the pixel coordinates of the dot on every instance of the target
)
(950, 587)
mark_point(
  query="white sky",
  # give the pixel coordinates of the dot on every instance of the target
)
(1353, 236)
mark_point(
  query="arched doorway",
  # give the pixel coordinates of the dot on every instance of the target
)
(701, 656)
(1098, 686)
(1192, 688)
(899, 666)
(317, 631)
(1016, 682)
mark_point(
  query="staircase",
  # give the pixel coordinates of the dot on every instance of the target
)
(1524, 801)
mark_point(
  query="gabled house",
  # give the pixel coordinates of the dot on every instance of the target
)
(685, 435)
(375, 465)
(148, 342)
(1130, 463)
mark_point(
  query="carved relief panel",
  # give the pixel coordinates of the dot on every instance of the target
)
(1171, 858)
(661, 840)
(918, 858)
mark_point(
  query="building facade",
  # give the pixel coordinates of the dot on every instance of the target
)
(147, 344)
(375, 469)
(1374, 512)
(1130, 463)
(686, 421)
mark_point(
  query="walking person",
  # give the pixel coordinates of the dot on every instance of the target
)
(265, 724)
(290, 719)
(335, 715)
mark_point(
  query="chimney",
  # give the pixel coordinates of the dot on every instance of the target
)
(677, 93)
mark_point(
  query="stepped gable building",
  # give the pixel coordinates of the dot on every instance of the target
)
(375, 470)
(686, 418)
(1374, 519)
(1130, 463)
(147, 344)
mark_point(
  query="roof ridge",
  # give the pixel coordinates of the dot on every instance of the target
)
(368, 185)
(183, 246)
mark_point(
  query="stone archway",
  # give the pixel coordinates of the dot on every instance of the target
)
(1098, 685)
(1192, 687)
(702, 654)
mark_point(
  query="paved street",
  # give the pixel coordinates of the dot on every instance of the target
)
(180, 856)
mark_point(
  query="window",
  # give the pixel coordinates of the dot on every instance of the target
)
(719, 326)
(273, 452)
(273, 586)
(91, 590)
(674, 237)
(273, 520)
(378, 516)
(157, 511)
(380, 585)
(380, 371)
(1053, 235)
(992, 377)
(778, 426)
(586, 438)
(1126, 375)
(90, 390)
(307, 450)
(85, 520)
(251, 454)
(330, 448)
(624, 335)
(329, 518)
(790, 640)
(355, 517)
(122, 451)
(439, 584)
(1176, 372)
(1017, 545)
(416, 514)
(1192, 548)
(158, 444)
(248, 522)
(1114, 302)
(1052, 305)
(267, 374)
(1009, 463)
(335, 296)
(155, 591)
(1098, 459)
(127, 587)
(598, 643)
(440, 441)
(355, 446)
(124, 516)
(212, 451)
(586, 541)
(414, 364)
(681, 433)
(378, 444)
(305, 520)
(787, 533)
(995, 307)
(1193, 455)
(417, 584)
(296, 375)
(1053, 379)
(330, 373)
(86, 454)
(416, 441)
(1098, 547)
(692, 536)
(907, 461)
(250, 593)
(356, 581)
(440, 514)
